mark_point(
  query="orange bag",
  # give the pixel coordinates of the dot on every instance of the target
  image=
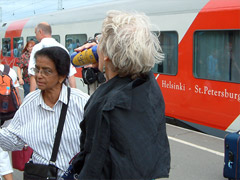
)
(9, 102)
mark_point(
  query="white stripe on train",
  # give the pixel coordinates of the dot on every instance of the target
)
(235, 125)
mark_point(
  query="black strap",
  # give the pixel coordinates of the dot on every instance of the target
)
(59, 130)
(6, 69)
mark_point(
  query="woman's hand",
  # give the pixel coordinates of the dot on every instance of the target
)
(85, 46)
(21, 82)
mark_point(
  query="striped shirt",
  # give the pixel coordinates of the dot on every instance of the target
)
(35, 124)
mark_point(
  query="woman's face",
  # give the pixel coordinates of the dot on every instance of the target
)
(29, 48)
(100, 59)
(46, 74)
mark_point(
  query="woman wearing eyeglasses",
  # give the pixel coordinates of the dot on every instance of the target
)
(36, 121)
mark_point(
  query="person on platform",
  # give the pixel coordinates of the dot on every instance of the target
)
(35, 123)
(5, 162)
(43, 33)
(123, 130)
(22, 63)
(213, 63)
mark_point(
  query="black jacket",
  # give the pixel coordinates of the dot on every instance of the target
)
(124, 132)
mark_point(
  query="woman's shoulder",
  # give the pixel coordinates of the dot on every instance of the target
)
(78, 93)
(32, 96)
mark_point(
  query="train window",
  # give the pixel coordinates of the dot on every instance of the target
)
(56, 37)
(6, 47)
(73, 41)
(169, 44)
(216, 55)
(17, 46)
(32, 38)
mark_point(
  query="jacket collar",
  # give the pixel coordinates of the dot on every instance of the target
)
(121, 91)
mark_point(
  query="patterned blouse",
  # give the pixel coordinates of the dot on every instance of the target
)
(23, 64)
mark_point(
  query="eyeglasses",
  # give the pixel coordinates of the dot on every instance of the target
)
(43, 72)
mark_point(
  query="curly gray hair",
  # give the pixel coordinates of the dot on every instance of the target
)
(127, 40)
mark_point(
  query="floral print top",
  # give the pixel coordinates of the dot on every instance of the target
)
(23, 64)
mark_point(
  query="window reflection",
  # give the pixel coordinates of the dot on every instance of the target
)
(169, 45)
(217, 55)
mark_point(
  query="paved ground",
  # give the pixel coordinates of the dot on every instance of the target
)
(195, 156)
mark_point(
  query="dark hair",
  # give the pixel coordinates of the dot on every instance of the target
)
(59, 57)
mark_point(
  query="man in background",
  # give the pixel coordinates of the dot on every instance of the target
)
(43, 33)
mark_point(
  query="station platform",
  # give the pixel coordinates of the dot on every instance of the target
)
(194, 156)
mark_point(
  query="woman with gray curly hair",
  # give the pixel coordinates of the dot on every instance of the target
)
(123, 130)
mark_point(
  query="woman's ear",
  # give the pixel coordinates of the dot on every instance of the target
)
(61, 79)
(106, 58)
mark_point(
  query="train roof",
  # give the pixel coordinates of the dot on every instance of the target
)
(98, 11)
(151, 7)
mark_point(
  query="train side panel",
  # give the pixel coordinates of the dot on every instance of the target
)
(209, 103)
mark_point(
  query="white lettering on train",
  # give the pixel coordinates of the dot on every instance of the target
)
(218, 93)
(173, 85)
(205, 90)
